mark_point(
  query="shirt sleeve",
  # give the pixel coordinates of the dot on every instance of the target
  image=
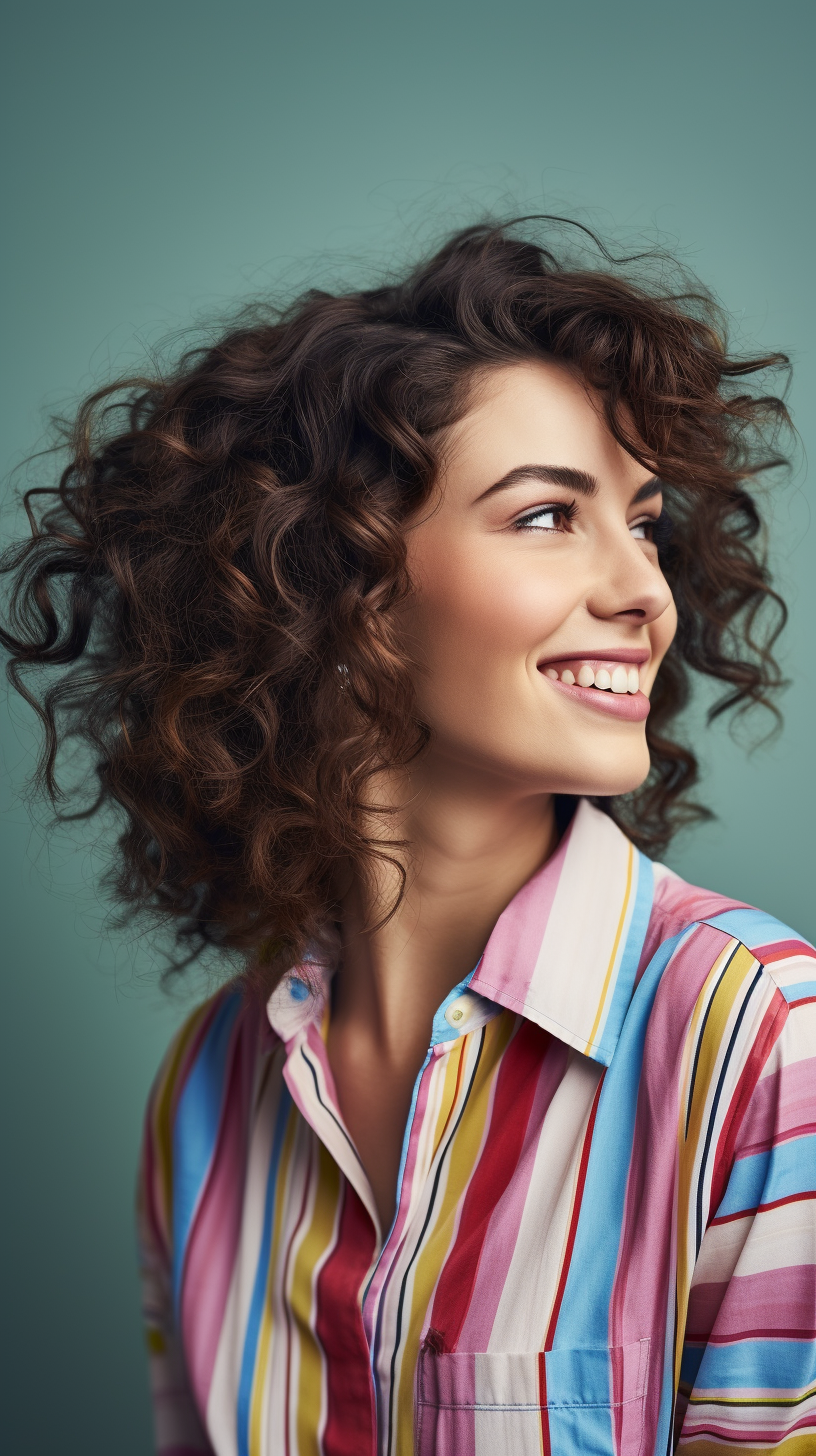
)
(748, 1374)
(177, 1424)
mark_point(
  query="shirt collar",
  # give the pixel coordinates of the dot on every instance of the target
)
(564, 953)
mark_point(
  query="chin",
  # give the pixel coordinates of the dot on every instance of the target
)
(607, 780)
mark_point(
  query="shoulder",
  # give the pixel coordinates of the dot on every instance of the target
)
(732, 982)
(199, 1100)
(209, 1058)
(679, 909)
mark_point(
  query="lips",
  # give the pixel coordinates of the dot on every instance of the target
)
(608, 681)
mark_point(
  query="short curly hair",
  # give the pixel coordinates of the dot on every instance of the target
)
(226, 535)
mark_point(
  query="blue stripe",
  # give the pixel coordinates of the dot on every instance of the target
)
(690, 1362)
(578, 1405)
(584, 1315)
(753, 927)
(256, 1306)
(196, 1127)
(799, 991)
(765, 1365)
(630, 959)
(779, 1172)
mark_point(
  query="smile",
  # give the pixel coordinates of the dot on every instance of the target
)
(611, 683)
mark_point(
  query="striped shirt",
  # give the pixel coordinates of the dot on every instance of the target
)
(605, 1233)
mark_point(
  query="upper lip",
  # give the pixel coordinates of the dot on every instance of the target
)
(636, 655)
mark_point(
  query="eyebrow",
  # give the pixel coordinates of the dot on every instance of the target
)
(567, 477)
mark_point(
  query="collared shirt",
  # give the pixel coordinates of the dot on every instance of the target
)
(605, 1235)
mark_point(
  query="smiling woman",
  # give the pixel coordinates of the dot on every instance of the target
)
(377, 615)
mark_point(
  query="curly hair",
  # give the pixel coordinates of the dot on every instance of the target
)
(224, 537)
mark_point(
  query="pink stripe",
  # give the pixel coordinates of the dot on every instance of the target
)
(781, 1106)
(776, 1302)
(783, 950)
(511, 953)
(501, 1240)
(676, 905)
(703, 1308)
(214, 1236)
(645, 1275)
(445, 1384)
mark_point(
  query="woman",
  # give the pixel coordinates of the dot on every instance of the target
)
(381, 612)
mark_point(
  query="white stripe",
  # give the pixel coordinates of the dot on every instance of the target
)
(567, 983)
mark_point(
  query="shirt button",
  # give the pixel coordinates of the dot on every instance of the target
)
(457, 1012)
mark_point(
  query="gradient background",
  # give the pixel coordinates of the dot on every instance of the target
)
(164, 160)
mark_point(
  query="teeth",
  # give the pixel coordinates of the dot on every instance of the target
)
(621, 679)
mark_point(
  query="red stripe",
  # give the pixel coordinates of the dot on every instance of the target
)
(766, 1437)
(515, 1090)
(803, 1001)
(576, 1213)
(775, 1018)
(758, 1334)
(802, 1129)
(782, 950)
(764, 1207)
(546, 1445)
(350, 1424)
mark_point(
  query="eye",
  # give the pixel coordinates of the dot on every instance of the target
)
(656, 529)
(643, 530)
(551, 518)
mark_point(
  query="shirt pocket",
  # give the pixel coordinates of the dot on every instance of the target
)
(499, 1404)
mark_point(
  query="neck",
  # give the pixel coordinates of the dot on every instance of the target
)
(472, 844)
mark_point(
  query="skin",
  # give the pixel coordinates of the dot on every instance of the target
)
(502, 586)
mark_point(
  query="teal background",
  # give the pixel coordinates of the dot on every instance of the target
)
(166, 159)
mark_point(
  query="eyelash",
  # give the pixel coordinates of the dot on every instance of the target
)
(658, 527)
(567, 511)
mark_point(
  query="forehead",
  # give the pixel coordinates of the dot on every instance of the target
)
(537, 412)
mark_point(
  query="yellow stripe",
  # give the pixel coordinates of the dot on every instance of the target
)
(453, 1072)
(462, 1157)
(708, 1061)
(802, 1444)
(265, 1333)
(614, 955)
(162, 1120)
(314, 1245)
(754, 1401)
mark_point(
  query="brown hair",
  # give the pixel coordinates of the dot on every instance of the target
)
(225, 537)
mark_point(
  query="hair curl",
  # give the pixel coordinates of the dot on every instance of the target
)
(223, 537)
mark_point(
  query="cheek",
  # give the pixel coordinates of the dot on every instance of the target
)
(485, 611)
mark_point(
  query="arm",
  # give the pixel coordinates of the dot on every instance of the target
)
(749, 1361)
(177, 1425)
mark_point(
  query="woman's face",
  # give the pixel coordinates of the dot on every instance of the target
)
(539, 604)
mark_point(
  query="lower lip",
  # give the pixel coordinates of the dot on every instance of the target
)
(633, 707)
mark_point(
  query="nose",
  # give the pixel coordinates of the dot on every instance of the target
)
(628, 582)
